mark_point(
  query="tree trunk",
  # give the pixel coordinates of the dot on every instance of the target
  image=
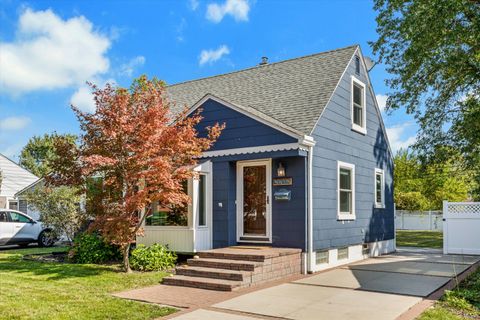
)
(126, 261)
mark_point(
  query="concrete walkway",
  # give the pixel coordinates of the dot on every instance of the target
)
(377, 288)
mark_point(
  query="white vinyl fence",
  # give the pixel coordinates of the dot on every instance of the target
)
(418, 220)
(461, 232)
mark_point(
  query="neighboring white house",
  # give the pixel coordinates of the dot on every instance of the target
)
(14, 178)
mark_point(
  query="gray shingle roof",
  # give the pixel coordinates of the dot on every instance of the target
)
(293, 92)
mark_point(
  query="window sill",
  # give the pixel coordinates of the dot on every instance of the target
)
(167, 227)
(359, 129)
(345, 217)
(379, 206)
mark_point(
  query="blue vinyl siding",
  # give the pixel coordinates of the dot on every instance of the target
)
(335, 140)
(241, 131)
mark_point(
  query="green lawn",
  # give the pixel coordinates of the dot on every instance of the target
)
(424, 239)
(38, 290)
(461, 303)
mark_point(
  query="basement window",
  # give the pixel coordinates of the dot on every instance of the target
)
(366, 249)
(342, 253)
(321, 257)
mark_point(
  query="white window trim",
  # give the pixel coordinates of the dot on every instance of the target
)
(341, 215)
(382, 203)
(361, 129)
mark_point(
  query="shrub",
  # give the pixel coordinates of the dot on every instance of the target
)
(153, 258)
(91, 248)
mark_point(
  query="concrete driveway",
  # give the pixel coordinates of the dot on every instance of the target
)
(377, 288)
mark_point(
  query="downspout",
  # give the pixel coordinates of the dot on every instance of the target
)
(310, 210)
(309, 142)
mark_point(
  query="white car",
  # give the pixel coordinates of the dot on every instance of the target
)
(18, 228)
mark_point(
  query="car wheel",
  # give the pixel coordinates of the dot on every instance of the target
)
(45, 239)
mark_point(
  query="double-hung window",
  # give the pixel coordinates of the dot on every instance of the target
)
(346, 191)
(359, 114)
(379, 188)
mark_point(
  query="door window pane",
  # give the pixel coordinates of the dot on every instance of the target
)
(254, 200)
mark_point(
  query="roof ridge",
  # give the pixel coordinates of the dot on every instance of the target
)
(266, 65)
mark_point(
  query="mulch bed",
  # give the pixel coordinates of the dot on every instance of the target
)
(59, 257)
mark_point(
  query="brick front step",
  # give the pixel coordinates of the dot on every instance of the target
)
(228, 269)
(223, 274)
(224, 264)
(202, 283)
(246, 254)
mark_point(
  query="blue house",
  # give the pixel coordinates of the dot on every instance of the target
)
(303, 162)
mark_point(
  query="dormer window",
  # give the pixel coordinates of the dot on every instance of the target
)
(359, 121)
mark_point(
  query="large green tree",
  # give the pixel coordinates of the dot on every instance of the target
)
(432, 50)
(39, 152)
(421, 185)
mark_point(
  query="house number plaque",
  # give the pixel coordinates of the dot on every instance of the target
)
(282, 181)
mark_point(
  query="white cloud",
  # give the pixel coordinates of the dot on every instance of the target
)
(14, 123)
(238, 9)
(401, 136)
(128, 68)
(382, 101)
(210, 56)
(194, 4)
(83, 99)
(50, 53)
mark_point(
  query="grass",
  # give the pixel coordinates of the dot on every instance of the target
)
(461, 303)
(39, 290)
(423, 239)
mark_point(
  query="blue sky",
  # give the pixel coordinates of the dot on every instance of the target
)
(49, 49)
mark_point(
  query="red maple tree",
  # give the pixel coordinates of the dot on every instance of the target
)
(140, 149)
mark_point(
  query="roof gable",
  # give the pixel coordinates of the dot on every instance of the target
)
(293, 92)
(14, 177)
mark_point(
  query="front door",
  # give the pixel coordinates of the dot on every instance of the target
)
(253, 201)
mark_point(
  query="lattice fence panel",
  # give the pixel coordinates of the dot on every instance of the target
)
(473, 208)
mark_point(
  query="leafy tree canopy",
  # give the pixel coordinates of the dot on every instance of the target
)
(39, 152)
(59, 209)
(421, 185)
(432, 50)
(140, 150)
